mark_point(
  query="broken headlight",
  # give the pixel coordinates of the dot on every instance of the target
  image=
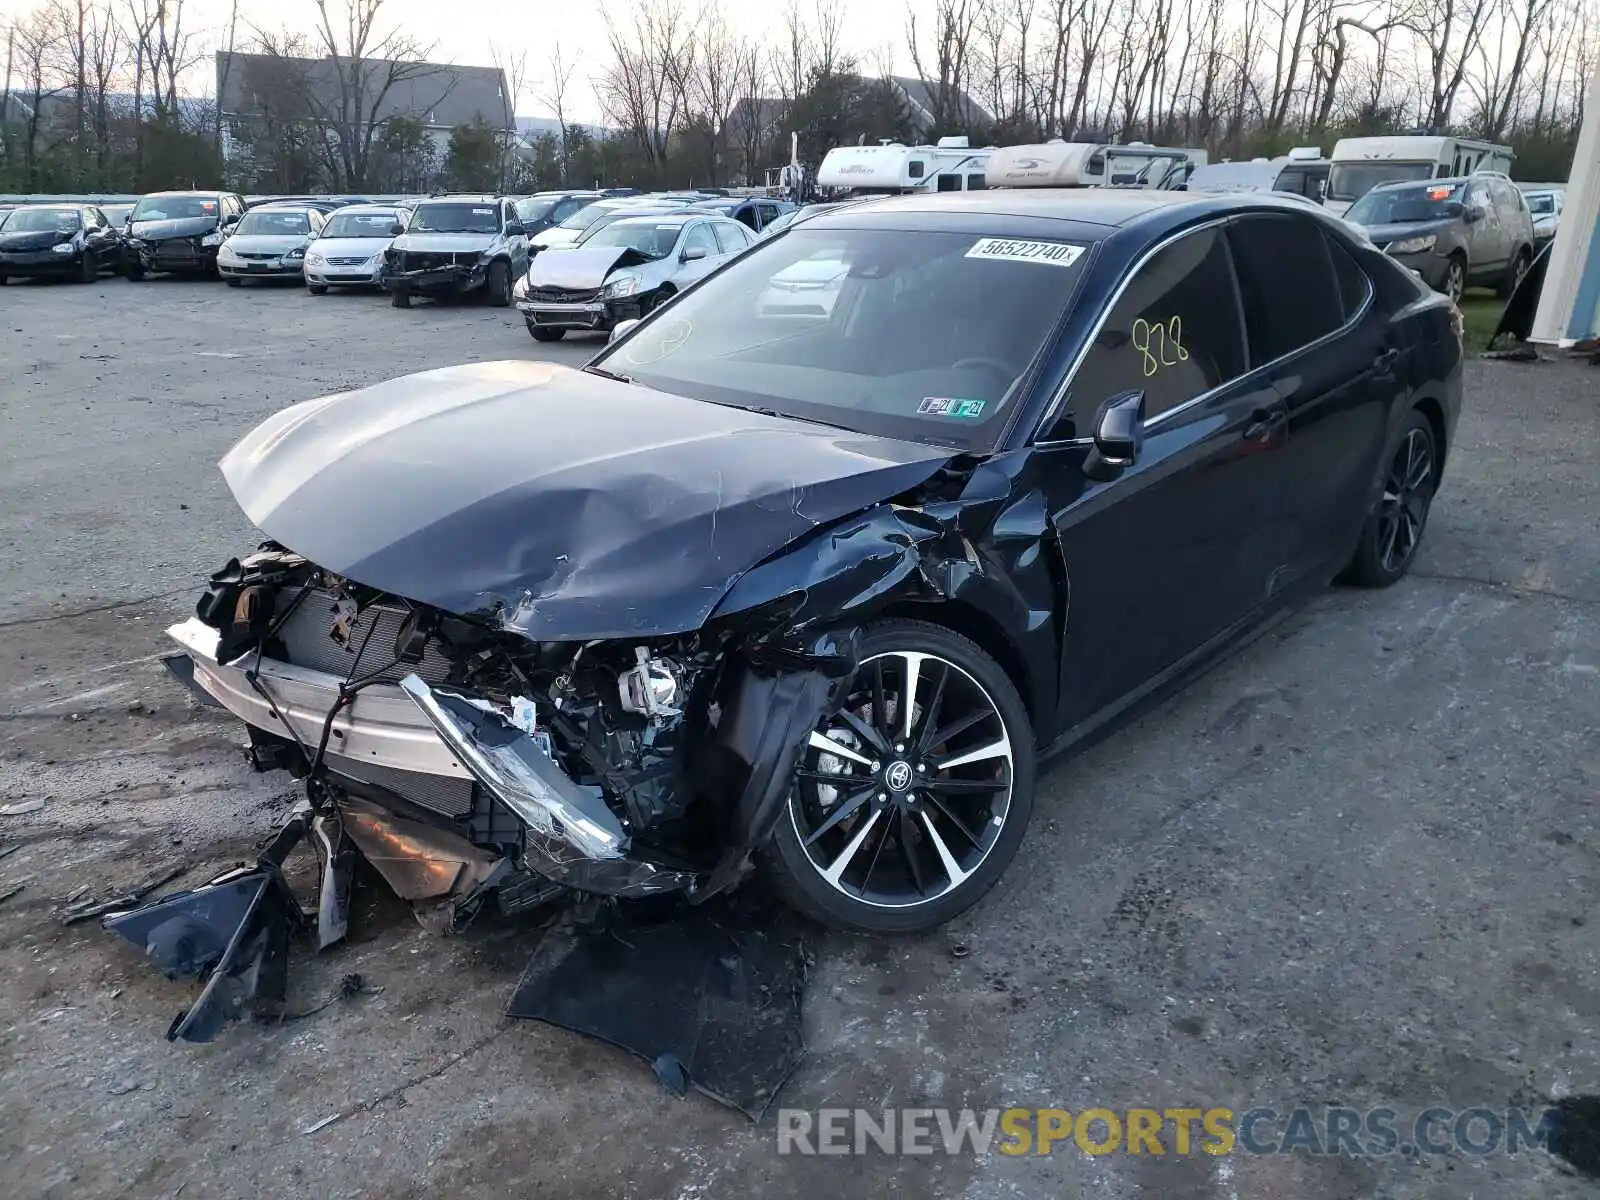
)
(628, 285)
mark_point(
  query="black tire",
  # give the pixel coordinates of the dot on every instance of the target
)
(235, 282)
(88, 271)
(801, 880)
(543, 333)
(1518, 267)
(134, 273)
(3, 279)
(400, 298)
(1395, 526)
(497, 285)
(1454, 284)
(317, 289)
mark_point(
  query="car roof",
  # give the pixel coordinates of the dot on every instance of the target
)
(677, 218)
(179, 192)
(1406, 185)
(282, 208)
(41, 204)
(359, 209)
(472, 198)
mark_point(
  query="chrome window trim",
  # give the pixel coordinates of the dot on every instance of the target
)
(1105, 315)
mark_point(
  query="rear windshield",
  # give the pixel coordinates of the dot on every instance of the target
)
(882, 331)
(274, 224)
(1538, 204)
(588, 215)
(1402, 206)
(174, 208)
(360, 225)
(1351, 181)
(38, 220)
(454, 218)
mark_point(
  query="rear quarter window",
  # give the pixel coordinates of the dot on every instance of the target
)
(1286, 278)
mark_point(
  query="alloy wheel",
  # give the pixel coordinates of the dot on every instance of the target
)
(1407, 492)
(905, 789)
(1455, 281)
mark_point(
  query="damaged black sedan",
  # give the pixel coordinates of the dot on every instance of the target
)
(807, 571)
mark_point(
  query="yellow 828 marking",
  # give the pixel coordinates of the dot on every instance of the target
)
(1161, 343)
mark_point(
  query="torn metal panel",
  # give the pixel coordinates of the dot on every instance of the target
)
(649, 507)
(710, 997)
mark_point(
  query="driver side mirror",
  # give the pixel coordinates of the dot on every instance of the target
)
(396, 229)
(622, 328)
(692, 254)
(516, 229)
(1454, 208)
(1118, 437)
(1473, 213)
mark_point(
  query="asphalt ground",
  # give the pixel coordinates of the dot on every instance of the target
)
(1355, 866)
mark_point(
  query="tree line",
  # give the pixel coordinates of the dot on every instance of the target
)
(95, 97)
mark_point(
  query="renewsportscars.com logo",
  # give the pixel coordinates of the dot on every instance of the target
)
(1327, 1131)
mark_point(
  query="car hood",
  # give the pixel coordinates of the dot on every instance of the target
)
(582, 267)
(1382, 235)
(266, 243)
(444, 243)
(183, 227)
(577, 506)
(33, 239)
(362, 248)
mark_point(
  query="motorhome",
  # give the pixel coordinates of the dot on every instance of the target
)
(892, 167)
(1301, 172)
(1092, 164)
(1359, 164)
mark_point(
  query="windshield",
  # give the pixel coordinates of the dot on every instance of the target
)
(647, 237)
(588, 215)
(273, 224)
(887, 332)
(535, 209)
(1352, 180)
(38, 220)
(1402, 206)
(360, 225)
(1541, 204)
(454, 218)
(174, 208)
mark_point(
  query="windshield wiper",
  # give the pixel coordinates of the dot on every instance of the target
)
(605, 374)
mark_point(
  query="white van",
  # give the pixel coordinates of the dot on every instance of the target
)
(1301, 172)
(1361, 163)
(892, 168)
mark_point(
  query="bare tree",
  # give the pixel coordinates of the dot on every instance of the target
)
(723, 64)
(643, 89)
(35, 50)
(554, 94)
(1450, 32)
(365, 64)
(945, 61)
(513, 68)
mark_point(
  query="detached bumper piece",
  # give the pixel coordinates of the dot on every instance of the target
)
(234, 932)
(710, 996)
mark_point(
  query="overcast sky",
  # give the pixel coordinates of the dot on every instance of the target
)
(468, 32)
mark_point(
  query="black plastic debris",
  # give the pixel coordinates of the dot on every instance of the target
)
(709, 996)
(235, 932)
(1516, 318)
(1576, 1135)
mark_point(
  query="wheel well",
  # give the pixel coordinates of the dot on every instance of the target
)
(977, 626)
(666, 289)
(1429, 408)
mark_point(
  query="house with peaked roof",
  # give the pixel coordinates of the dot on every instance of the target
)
(440, 96)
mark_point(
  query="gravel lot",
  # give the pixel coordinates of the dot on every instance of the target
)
(1358, 864)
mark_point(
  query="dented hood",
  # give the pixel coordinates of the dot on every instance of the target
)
(581, 266)
(580, 507)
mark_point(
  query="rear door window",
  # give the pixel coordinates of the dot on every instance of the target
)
(1286, 277)
(1174, 333)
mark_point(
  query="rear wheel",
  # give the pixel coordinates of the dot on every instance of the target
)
(498, 284)
(1514, 273)
(400, 298)
(1394, 528)
(543, 333)
(911, 798)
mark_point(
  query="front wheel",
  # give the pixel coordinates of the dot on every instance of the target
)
(913, 796)
(1518, 268)
(88, 268)
(1394, 527)
(1455, 279)
(400, 298)
(543, 333)
(134, 273)
(317, 289)
(235, 283)
(498, 284)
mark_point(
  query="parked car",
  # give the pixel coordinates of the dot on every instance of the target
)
(803, 213)
(1454, 233)
(754, 212)
(349, 249)
(64, 241)
(178, 232)
(821, 603)
(269, 242)
(623, 214)
(456, 245)
(1545, 209)
(117, 215)
(547, 209)
(567, 231)
(623, 272)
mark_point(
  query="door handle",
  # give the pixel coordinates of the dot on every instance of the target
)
(1264, 423)
(1387, 359)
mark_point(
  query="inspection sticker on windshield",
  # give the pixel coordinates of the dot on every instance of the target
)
(1058, 254)
(944, 406)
